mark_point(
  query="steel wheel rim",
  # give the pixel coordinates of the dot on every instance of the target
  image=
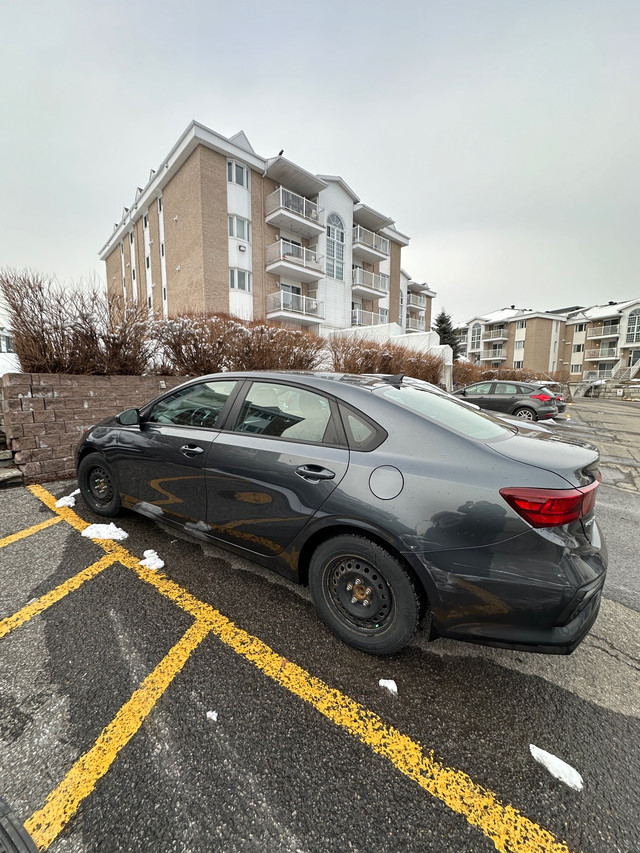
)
(359, 593)
(100, 485)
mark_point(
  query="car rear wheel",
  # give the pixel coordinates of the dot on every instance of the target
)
(526, 414)
(364, 594)
(97, 485)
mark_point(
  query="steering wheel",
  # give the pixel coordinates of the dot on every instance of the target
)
(199, 417)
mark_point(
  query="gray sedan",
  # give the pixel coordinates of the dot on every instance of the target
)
(398, 506)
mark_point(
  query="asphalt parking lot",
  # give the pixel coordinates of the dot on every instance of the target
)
(204, 707)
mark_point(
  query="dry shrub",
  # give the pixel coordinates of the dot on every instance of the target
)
(72, 330)
(270, 347)
(194, 344)
(355, 355)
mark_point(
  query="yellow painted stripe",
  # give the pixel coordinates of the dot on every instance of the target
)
(45, 601)
(22, 534)
(508, 829)
(46, 824)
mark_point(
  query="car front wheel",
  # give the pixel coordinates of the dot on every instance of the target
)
(364, 594)
(97, 485)
(526, 414)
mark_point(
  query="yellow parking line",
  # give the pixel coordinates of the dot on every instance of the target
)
(22, 534)
(45, 601)
(508, 829)
(45, 825)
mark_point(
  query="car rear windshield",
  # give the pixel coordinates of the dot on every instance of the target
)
(443, 410)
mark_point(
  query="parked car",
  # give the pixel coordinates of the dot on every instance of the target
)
(524, 400)
(396, 504)
(555, 389)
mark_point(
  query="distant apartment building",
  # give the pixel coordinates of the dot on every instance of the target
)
(513, 338)
(220, 228)
(603, 342)
(600, 342)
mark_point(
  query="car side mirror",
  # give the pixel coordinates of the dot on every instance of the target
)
(129, 417)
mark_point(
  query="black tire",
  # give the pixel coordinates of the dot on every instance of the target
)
(526, 414)
(97, 485)
(347, 571)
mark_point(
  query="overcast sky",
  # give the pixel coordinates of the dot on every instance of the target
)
(501, 135)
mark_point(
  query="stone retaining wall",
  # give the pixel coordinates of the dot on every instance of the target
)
(44, 414)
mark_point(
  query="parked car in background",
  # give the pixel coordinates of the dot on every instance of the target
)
(556, 391)
(397, 504)
(521, 399)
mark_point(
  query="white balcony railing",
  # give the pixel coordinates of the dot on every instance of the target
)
(605, 330)
(365, 318)
(295, 303)
(597, 354)
(371, 240)
(371, 280)
(293, 203)
(493, 355)
(416, 324)
(495, 335)
(292, 253)
(416, 301)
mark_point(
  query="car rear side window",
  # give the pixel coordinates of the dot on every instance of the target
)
(197, 405)
(288, 412)
(448, 412)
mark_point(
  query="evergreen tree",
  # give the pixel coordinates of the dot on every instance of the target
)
(444, 327)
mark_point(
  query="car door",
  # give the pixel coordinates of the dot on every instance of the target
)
(159, 464)
(504, 396)
(480, 394)
(269, 474)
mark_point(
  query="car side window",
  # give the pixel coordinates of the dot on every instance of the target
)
(288, 412)
(482, 388)
(362, 434)
(505, 388)
(197, 405)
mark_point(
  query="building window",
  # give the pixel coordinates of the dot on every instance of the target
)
(240, 280)
(577, 348)
(133, 273)
(239, 228)
(576, 368)
(131, 237)
(122, 248)
(160, 204)
(162, 249)
(475, 336)
(147, 261)
(383, 314)
(518, 364)
(237, 173)
(521, 324)
(335, 247)
(149, 301)
(580, 327)
(145, 221)
(633, 327)
(518, 344)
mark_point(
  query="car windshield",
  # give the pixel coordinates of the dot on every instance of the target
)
(450, 413)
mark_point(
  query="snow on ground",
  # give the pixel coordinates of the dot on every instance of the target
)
(152, 561)
(105, 531)
(557, 767)
(68, 500)
(389, 684)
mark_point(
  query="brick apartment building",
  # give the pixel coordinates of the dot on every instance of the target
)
(220, 228)
(600, 342)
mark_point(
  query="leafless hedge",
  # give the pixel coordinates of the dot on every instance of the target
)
(464, 373)
(351, 355)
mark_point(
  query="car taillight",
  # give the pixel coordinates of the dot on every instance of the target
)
(545, 398)
(551, 507)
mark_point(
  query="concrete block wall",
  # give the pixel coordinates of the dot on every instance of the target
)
(44, 415)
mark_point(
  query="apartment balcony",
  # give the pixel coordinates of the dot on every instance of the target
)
(369, 284)
(496, 335)
(365, 318)
(604, 331)
(493, 355)
(292, 212)
(416, 324)
(369, 246)
(598, 374)
(608, 354)
(292, 306)
(295, 262)
(414, 300)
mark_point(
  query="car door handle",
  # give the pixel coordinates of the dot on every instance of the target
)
(191, 449)
(315, 472)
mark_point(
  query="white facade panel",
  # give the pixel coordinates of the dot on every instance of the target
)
(335, 294)
(241, 304)
(238, 200)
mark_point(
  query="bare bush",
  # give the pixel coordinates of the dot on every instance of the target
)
(351, 355)
(194, 344)
(270, 347)
(68, 330)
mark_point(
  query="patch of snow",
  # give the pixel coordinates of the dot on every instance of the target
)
(558, 768)
(68, 500)
(389, 684)
(212, 715)
(152, 561)
(105, 531)
(200, 526)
